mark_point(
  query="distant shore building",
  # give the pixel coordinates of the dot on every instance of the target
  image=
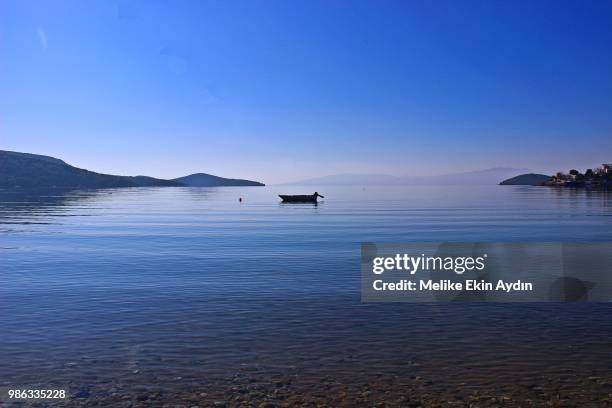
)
(607, 168)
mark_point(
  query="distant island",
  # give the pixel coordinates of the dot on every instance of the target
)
(208, 180)
(529, 179)
(28, 170)
(600, 177)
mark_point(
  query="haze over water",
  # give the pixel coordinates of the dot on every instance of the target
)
(182, 289)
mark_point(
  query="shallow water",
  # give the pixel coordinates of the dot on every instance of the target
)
(175, 292)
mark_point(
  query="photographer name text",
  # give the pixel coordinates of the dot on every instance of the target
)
(445, 285)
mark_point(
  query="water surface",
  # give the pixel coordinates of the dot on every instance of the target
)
(186, 294)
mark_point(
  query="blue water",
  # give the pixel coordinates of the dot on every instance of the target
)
(176, 287)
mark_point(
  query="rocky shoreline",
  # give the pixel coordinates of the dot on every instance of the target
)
(251, 389)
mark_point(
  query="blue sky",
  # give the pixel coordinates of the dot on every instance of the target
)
(283, 90)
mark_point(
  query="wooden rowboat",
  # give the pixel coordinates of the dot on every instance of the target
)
(300, 198)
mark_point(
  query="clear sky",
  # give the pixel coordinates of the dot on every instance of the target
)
(283, 90)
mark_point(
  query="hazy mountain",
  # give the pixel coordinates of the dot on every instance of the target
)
(480, 177)
(208, 180)
(529, 179)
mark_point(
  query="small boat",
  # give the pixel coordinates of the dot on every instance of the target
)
(300, 198)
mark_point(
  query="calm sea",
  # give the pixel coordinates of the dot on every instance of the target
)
(181, 289)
